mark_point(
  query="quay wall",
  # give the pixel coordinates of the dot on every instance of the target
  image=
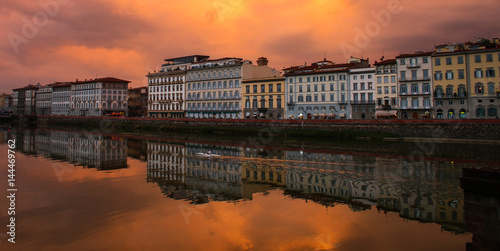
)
(480, 129)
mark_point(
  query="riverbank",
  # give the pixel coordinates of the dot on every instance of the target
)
(470, 129)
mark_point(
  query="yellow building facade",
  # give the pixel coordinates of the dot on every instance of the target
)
(263, 98)
(466, 79)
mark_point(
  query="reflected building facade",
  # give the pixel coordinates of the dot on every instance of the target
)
(79, 149)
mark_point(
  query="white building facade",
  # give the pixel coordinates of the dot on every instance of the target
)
(214, 87)
(386, 85)
(99, 97)
(166, 88)
(362, 93)
(320, 90)
(415, 85)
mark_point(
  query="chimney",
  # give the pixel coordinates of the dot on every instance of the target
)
(262, 61)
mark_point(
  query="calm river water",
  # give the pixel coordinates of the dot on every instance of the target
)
(90, 191)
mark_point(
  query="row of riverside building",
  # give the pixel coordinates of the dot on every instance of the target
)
(455, 80)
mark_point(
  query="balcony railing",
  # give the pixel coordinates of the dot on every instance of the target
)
(363, 102)
(413, 65)
(416, 79)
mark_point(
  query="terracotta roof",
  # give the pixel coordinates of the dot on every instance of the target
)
(61, 84)
(417, 54)
(386, 62)
(107, 79)
(219, 59)
(315, 69)
(28, 87)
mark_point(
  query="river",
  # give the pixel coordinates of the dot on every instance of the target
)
(90, 190)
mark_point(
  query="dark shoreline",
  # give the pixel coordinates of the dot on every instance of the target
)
(454, 130)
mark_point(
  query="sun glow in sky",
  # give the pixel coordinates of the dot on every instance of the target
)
(62, 40)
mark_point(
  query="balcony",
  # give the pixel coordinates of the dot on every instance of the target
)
(449, 96)
(363, 102)
(425, 78)
(413, 65)
(290, 103)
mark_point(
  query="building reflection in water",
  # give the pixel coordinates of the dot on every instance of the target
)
(80, 149)
(482, 207)
(425, 191)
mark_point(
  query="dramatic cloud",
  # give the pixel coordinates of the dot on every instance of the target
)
(61, 40)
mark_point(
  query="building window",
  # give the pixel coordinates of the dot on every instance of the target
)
(490, 73)
(332, 97)
(300, 88)
(402, 61)
(414, 103)
(379, 80)
(386, 89)
(308, 98)
(403, 75)
(247, 89)
(448, 61)
(355, 86)
(439, 91)
(278, 87)
(477, 58)
(403, 89)
(425, 60)
(480, 112)
(449, 75)
(438, 75)
(479, 88)
(379, 90)
(478, 73)
(271, 102)
(461, 74)
(491, 88)
(426, 74)
(489, 57)
(393, 89)
(278, 100)
(414, 88)
(437, 61)
(426, 88)
(271, 88)
(323, 87)
(427, 102)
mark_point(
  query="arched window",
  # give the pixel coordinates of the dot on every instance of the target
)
(492, 112)
(480, 112)
(439, 114)
(451, 114)
(463, 114)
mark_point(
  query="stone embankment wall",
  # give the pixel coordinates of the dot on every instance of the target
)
(481, 129)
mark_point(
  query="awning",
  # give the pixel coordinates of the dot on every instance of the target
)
(383, 113)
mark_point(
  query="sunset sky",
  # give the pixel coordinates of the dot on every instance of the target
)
(127, 38)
